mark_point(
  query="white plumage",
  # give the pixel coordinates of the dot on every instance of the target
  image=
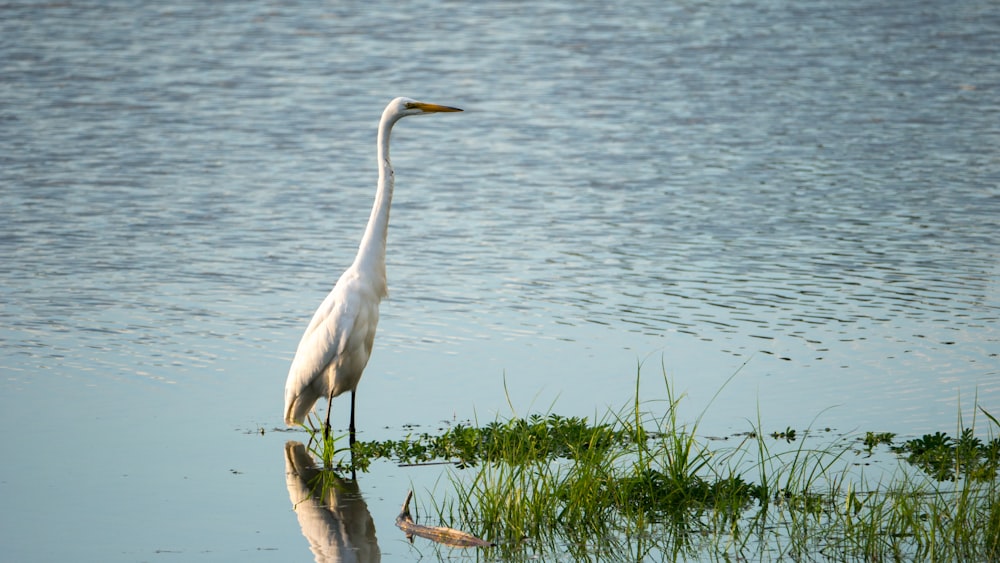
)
(336, 345)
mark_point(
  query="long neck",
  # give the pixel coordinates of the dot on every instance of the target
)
(370, 261)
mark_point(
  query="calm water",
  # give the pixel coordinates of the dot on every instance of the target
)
(809, 190)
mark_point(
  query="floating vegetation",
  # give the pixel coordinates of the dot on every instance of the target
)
(873, 439)
(642, 485)
(515, 441)
(945, 458)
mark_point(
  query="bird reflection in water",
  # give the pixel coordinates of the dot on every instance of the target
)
(331, 511)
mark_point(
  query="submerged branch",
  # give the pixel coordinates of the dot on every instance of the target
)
(447, 536)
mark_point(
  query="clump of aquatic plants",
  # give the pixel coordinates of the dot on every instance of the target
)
(873, 439)
(667, 495)
(946, 458)
(513, 441)
(330, 449)
(640, 485)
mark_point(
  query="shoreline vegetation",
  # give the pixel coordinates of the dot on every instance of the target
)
(640, 484)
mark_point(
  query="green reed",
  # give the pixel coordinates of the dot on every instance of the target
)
(639, 483)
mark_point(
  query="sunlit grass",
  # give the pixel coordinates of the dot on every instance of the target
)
(328, 447)
(639, 483)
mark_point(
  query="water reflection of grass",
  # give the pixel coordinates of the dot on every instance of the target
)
(643, 485)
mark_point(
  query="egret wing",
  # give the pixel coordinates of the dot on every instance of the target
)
(324, 340)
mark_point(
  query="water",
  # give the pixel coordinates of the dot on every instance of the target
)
(809, 191)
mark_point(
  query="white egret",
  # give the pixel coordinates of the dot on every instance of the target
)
(337, 343)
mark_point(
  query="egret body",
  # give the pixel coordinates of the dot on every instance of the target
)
(336, 345)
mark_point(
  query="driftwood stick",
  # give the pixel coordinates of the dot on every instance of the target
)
(440, 534)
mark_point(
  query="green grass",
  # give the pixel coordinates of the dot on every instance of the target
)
(639, 483)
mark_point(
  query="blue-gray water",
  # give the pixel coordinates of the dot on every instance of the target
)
(811, 189)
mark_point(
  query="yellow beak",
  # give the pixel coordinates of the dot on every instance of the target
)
(430, 108)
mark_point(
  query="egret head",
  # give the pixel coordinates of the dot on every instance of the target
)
(402, 107)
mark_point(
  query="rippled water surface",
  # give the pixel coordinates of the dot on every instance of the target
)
(808, 190)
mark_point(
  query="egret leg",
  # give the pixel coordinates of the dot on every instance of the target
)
(326, 426)
(351, 428)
